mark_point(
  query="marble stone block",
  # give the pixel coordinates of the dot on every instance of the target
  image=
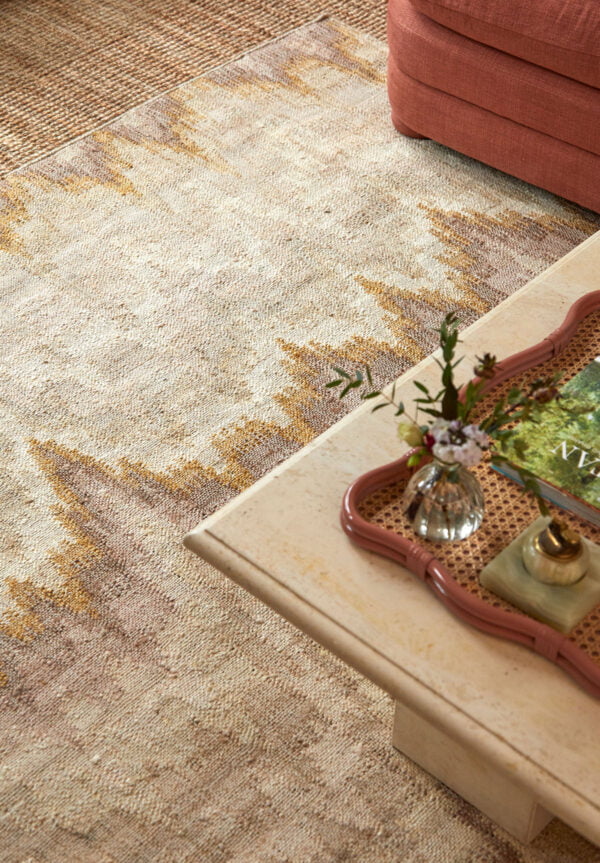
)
(561, 606)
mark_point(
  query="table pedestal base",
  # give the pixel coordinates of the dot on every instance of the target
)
(491, 791)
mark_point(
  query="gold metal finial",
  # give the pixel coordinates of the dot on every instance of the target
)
(558, 541)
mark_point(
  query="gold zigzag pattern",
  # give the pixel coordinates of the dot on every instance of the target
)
(307, 366)
(253, 445)
(107, 167)
(464, 234)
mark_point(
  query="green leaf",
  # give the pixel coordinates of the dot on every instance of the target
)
(431, 412)
(372, 395)
(421, 387)
(378, 407)
(450, 403)
(520, 446)
(368, 373)
(341, 372)
(334, 383)
(516, 416)
(542, 506)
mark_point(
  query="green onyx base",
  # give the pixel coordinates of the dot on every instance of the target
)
(561, 606)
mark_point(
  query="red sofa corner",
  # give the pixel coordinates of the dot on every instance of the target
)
(515, 84)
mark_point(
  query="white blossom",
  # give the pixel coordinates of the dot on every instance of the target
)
(475, 433)
(458, 444)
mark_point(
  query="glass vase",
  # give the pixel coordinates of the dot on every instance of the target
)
(444, 502)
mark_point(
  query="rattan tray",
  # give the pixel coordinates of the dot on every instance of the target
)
(372, 517)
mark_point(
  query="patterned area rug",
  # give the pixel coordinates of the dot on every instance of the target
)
(176, 287)
(67, 66)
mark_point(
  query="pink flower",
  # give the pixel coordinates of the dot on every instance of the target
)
(428, 441)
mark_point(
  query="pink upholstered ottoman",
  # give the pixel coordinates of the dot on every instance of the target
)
(516, 111)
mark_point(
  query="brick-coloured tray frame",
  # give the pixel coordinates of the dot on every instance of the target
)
(499, 621)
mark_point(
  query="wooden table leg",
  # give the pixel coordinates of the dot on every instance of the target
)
(490, 790)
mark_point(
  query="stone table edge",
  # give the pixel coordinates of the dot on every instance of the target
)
(582, 815)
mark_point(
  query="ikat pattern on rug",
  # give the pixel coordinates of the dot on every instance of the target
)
(175, 289)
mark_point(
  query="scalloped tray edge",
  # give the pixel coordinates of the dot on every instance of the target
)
(538, 636)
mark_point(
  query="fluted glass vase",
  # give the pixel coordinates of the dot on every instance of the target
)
(444, 502)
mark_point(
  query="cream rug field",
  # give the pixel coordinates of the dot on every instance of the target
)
(175, 288)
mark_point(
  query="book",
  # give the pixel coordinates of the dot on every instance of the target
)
(563, 449)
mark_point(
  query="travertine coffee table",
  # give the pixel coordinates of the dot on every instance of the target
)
(503, 727)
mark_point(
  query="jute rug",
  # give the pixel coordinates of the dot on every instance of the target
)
(67, 66)
(175, 288)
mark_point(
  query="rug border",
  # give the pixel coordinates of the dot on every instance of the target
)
(324, 16)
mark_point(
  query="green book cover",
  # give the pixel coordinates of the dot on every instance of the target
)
(563, 449)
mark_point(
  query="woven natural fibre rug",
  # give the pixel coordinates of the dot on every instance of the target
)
(67, 66)
(175, 288)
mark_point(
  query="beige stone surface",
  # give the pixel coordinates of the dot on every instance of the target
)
(469, 774)
(282, 540)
